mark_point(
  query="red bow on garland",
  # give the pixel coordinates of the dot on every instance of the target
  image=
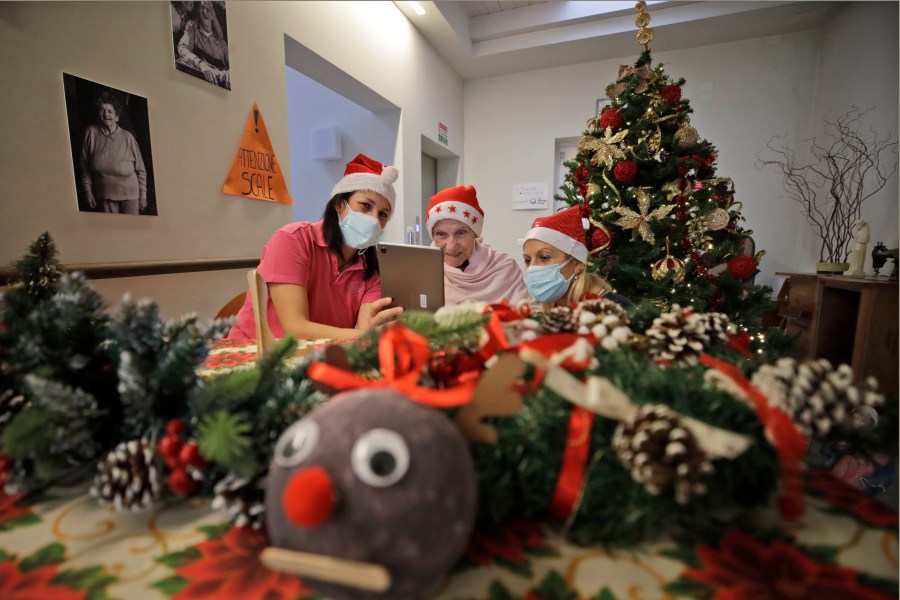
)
(401, 356)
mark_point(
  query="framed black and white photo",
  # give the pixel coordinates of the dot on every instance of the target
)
(109, 132)
(200, 41)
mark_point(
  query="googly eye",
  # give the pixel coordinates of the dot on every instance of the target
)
(380, 457)
(296, 444)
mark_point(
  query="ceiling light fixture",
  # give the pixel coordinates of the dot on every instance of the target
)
(417, 8)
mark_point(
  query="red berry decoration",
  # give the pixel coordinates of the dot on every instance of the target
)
(190, 456)
(670, 94)
(611, 118)
(625, 170)
(181, 482)
(581, 180)
(168, 448)
(681, 215)
(742, 267)
(175, 427)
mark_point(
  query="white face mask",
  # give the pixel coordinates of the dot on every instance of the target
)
(546, 283)
(360, 230)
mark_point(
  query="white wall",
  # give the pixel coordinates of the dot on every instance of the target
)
(195, 127)
(860, 67)
(310, 106)
(759, 88)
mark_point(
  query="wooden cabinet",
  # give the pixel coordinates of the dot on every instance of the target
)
(849, 320)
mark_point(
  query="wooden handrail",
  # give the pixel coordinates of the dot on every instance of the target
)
(154, 267)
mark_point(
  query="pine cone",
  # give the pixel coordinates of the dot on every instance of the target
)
(10, 404)
(660, 451)
(242, 499)
(814, 394)
(559, 319)
(129, 477)
(680, 335)
(607, 320)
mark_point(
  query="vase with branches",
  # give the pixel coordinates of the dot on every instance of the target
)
(846, 166)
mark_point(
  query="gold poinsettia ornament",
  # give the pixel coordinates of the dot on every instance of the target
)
(605, 150)
(639, 222)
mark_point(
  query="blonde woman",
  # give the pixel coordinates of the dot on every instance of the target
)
(555, 257)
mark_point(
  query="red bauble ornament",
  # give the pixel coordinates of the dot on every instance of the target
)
(742, 267)
(611, 118)
(625, 170)
(181, 482)
(670, 94)
(600, 238)
(681, 215)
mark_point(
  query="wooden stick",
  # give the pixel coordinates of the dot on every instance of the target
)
(330, 569)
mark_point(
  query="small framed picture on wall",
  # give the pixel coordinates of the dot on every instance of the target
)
(109, 132)
(200, 40)
(601, 102)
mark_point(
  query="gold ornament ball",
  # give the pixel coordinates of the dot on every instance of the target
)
(592, 189)
(686, 136)
(666, 265)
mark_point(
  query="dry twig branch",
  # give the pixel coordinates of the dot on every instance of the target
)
(843, 170)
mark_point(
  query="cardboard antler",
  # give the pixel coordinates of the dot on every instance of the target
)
(495, 396)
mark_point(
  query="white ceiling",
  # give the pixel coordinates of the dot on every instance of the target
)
(488, 38)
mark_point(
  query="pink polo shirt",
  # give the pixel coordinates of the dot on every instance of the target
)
(298, 254)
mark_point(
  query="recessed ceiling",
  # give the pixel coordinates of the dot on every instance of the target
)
(488, 38)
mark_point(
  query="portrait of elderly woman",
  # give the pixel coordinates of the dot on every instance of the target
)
(200, 36)
(109, 133)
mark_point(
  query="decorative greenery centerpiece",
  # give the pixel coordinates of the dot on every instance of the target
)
(843, 169)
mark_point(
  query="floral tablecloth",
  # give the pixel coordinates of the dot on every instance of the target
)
(61, 544)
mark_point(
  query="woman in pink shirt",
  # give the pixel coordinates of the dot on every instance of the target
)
(323, 277)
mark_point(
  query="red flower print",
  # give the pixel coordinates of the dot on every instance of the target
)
(232, 343)
(229, 359)
(743, 568)
(507, 543)
(230, 569)
(838, 494)
(34, 584)
(9, 509)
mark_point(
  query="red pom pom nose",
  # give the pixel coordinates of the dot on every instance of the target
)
(308, 497)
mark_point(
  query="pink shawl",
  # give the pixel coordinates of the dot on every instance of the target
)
(491, 277)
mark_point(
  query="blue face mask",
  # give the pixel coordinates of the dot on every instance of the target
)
(360, 230)
(546, 283)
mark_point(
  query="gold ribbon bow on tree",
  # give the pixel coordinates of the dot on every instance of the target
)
(605, 151)
(639, 222)
(643, 84)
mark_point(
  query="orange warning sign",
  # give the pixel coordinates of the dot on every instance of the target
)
(254, 171)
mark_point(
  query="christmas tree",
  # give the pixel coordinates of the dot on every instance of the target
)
(663, 225)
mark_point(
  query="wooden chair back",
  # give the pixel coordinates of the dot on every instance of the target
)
(259, 294)
(232, 307)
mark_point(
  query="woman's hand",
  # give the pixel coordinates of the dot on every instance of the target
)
(374, 314)
(92, 202)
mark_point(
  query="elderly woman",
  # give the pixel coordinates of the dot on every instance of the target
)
(202, 45)
(556, 256)
(112, 169)
(473, 271)
(323, 277)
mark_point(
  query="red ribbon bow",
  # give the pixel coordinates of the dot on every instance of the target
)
(401, 356)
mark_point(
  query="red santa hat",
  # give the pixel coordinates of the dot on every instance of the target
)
(563, 230)
(364, 173)
(459, 203)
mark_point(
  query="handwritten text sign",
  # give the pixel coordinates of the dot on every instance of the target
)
(254, 171)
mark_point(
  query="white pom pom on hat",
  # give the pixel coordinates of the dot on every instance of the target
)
(364, 173)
